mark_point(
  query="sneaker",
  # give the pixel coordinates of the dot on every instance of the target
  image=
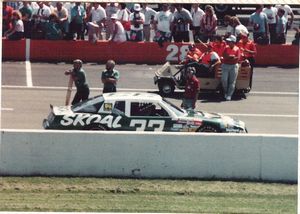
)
(228, 98)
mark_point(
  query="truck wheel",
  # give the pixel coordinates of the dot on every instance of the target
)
(166, 87)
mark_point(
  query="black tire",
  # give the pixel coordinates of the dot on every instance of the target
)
(166, 87)
(97, 127)
(208, 128)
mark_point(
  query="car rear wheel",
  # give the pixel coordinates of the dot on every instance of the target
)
(166, 87)
(208, 128)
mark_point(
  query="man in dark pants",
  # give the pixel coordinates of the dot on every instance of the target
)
(110, 77)
(79, 77)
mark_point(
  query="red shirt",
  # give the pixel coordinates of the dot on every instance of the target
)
(249, 45)
(235, 51)
(7, 15)
(218, 47)
(192, 87)
(194, 55)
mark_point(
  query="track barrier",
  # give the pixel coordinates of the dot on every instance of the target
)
(149, 155)
(131, 52)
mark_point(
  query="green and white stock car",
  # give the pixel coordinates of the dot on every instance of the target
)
(135, 111)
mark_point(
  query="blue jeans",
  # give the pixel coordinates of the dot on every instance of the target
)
(229, 76)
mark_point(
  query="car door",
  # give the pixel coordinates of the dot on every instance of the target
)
(148, 116)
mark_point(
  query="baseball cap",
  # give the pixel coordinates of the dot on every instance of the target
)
(137, 7)
(114, 16)
(231, 38)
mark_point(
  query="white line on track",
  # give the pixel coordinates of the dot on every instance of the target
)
(137, 89)
(262, 115)
(7, 109)
(28, 65)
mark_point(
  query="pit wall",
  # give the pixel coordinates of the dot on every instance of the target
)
(149, 155)
(129, 52)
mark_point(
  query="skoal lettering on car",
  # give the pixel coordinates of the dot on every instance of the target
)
(87, 119)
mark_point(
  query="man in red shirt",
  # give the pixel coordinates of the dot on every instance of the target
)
(192, 88)
(230, 67)
(248, 51)
(7, 17)
(194, 54)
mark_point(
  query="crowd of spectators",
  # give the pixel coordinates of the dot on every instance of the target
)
(117, 22)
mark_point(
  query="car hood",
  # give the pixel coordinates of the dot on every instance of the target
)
(62, 110)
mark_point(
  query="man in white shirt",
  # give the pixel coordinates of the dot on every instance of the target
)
(271, 13)
(162, 25)
(137, 20)
(110, 9)
(98, 16)
(149, 15)
(197, 15)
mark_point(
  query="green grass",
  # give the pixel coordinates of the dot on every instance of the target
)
(132, 195)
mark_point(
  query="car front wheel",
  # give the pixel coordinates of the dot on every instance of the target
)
(208, 128)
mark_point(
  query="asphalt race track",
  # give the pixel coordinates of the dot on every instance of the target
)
(270, 108)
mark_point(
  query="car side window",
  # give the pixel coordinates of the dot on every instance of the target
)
(147, 109)
(119, 108)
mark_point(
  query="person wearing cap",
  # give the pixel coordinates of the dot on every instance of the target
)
(137, 20)
(192, 89)
(79, 77)
(230, 67)
(110, 77)
(118, 34)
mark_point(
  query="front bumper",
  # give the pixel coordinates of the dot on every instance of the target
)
(46, 124)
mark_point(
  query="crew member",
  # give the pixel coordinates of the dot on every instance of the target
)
(79, 77)
(209, 61)
(110, 77)
(194, 54)
(192, 88)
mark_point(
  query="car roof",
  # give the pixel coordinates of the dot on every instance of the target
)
(134, 96)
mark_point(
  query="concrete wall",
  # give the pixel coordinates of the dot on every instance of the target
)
(150, 155)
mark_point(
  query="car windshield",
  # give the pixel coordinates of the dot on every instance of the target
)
(91, 105)
(175, 109)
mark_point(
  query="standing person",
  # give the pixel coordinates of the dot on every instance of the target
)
(238, 27)
(271, 13)
(110, 77)
(192, 89)
(6, 17)
(78, 15)
(118, 34)
(228, 24)
(181, 21)
(248, 52)
(230, 67)
(258, 20)
(26, 12)
(162, 25)
(149, 16)
(79, 77)
(17, 30)
(287, 12)
(95, 26)
(137, 20)
(197, 14)
(111, 8)
(123, 17)
(280, 27)
(208, 24)
(63, 17)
